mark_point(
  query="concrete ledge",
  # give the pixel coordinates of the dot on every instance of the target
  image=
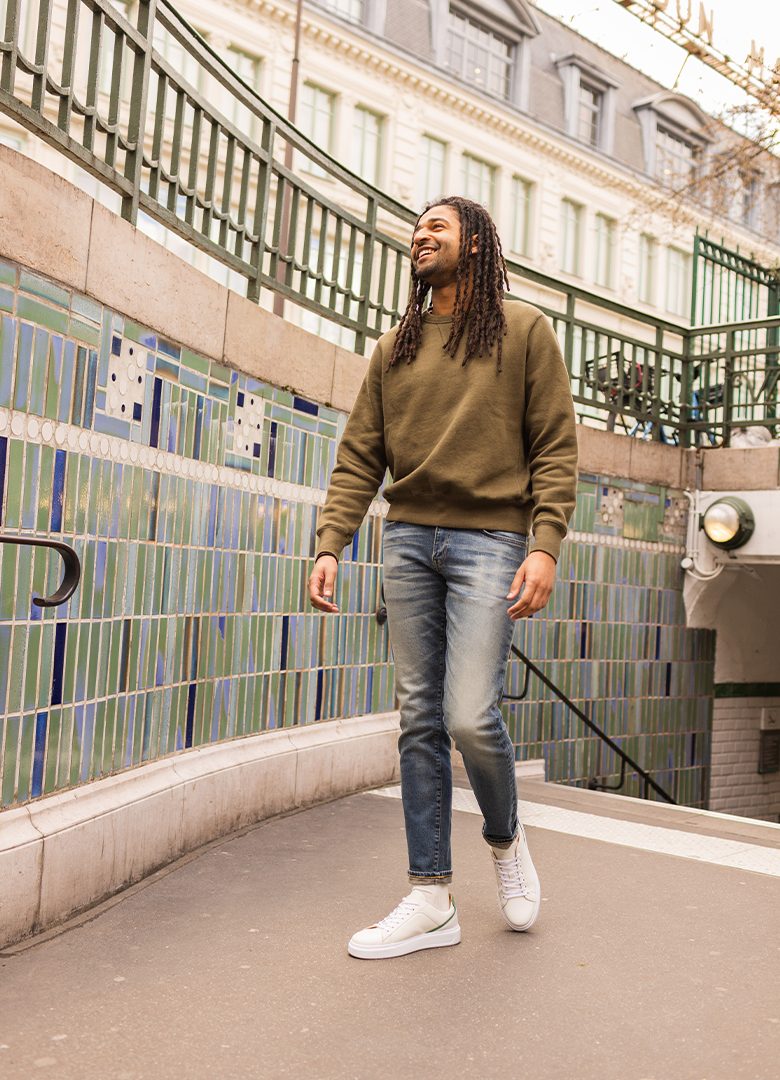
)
(64, 853)
(45, 222)
(751, 469)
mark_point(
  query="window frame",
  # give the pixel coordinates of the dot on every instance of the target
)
(514, 39)
(359, 146)
(683, 286)
(605, 230)
(423, 181)
(647, 275)
(466, 156)
(578, 217)
(305, 163)
(525, 247)
(578, 74)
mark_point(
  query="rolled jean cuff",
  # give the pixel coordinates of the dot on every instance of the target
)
(502, 844)
(431, 879)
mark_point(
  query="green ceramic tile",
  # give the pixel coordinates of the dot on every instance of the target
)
(89, 309)
(35, 312)
(42, 287)
(194, 362)
(84, 332)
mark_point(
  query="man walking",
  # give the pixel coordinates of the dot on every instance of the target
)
(467, 403)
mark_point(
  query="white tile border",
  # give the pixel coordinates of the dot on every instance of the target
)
(686, 845)
(63, 436)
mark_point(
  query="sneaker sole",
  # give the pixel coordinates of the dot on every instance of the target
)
(436, 939)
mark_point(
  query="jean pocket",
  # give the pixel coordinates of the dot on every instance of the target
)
(515, 539)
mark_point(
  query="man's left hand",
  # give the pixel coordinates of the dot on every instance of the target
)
(538, 575)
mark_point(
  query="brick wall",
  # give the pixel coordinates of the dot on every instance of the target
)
(736, 787)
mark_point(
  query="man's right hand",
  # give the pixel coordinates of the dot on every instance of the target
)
(322, 582)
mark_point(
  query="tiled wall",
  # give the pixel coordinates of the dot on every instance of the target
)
(613, 638)
(190, 492)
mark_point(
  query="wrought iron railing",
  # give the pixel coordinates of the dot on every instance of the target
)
(146, 106)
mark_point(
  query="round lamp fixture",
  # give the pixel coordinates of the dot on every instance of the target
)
(728, 523)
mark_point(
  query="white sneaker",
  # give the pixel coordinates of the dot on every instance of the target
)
(519, 895)
(414, 924)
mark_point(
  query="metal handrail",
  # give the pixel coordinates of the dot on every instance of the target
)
(625, 759)
(71, 576)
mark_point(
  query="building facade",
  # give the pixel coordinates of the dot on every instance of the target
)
(594, 172)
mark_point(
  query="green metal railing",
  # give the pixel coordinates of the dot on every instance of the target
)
(148, 108)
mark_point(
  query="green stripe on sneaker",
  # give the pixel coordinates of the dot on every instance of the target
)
(435, 928)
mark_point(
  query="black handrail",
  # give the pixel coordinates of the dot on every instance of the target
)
(593, 783)
(72, 574)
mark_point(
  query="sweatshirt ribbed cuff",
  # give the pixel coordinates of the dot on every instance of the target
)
(329, 542)
(547, 538)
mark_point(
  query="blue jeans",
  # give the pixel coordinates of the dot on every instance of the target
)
(445, 591)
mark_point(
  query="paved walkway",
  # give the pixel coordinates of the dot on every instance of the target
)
(232, 963)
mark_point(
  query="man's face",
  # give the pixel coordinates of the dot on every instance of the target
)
(436, 246)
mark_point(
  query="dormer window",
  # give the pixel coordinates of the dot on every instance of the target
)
(479, 55)
(589, 96)
(590, 110)
(675, 158)
(674, 138)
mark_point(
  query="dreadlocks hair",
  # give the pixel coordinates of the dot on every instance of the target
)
(479, 286)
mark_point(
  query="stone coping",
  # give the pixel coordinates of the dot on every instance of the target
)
(64, 853)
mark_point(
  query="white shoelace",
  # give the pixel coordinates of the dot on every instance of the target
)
(510, 878)
(397, 915)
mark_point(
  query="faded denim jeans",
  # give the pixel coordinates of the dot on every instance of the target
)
(445, 591)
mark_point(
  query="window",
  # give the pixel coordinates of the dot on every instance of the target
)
(521, 222)
(430, 178)
(348, 9)
(479, 56)
(589, 102)
(674, 138)
(647, 270)
(678, 278)
(183, 62)
(367, 131)
(318, 110)
(589, 117)
(748, 200)
(478, 180)
(605, 251)
(247, 68)
(675, 159)
(571, 229)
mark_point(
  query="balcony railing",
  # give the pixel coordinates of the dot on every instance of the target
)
(151, 111)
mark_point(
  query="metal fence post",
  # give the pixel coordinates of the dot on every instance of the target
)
(685, 391)
(136, 129)
(365, 276)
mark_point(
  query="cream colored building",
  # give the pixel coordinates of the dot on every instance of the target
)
(575, 152)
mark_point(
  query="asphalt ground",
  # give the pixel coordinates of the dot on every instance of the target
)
(232, 963)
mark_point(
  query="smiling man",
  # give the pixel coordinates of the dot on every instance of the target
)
(467, 403)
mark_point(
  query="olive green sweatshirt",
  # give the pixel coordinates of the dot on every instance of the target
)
(468, 447)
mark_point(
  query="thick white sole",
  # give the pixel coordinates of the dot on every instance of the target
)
(434, 939)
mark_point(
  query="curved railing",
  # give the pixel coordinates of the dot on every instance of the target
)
(150, 109)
